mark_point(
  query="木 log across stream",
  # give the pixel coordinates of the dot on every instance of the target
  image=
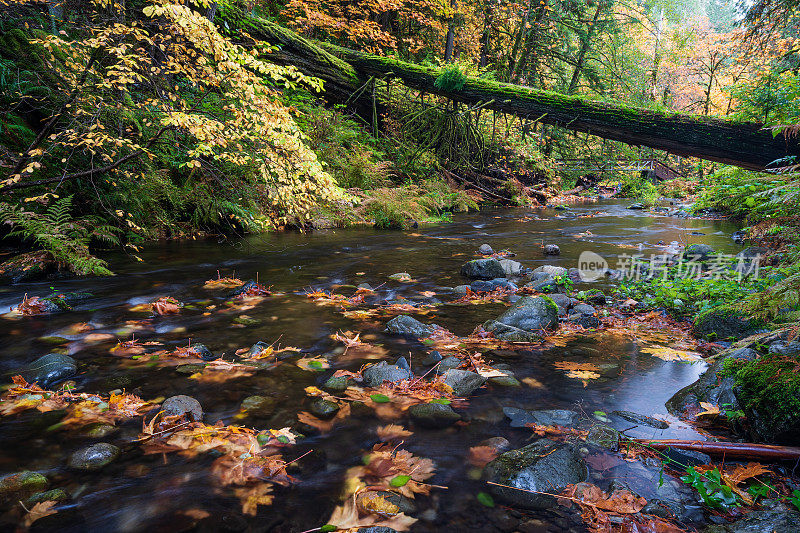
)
(345, 73)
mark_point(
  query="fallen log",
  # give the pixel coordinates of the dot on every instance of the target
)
(730, 450)
(347, 73)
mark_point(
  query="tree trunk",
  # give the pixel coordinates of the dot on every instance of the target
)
(488, 19)
(576, 74)
(531, 45)
(747, 145)
(451, 33)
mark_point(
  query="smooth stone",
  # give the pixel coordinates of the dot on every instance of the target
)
(257, 348)
(543, 466)
(461, 289)
(324, 409)
(98, 430)
(22, 485)
(786, 349)
(402, 363)
(551, 249)
(529, 313)
(511, 267)
(463, 382)
(448, 363)
(246, 321)
(546, 417)
(562, 301)
(183, 405)
(338, 383)
(603, 436)
(191, 368)
(407, 325)
(483, 269)
(585, 321)
(636, 206)
(400, 276)
(644, 420)
(485, 249)
(93, 457)
(258, 405)
(551, 270)
(698, 252)
(584, 309)
(432, 358)
(50, 369)
(505, 381)
(433, 415)
(375, 375)
(508, 333)
(364, 285)
(203, 352)
(761, 522)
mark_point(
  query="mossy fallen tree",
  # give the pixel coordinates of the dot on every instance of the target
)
(346, 72)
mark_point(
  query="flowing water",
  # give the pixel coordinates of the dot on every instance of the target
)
(151, 493)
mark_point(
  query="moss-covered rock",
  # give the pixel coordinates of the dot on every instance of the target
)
(21, 485)
(723, 323)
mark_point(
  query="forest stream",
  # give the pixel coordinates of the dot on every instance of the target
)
(159, 492)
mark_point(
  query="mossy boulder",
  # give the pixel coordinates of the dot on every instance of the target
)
(768, 391)
(723, 323)
(22, 485)
(544, 466)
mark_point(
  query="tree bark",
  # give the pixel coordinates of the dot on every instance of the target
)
(576, 74)
(745, 144)
(731, 450)
(451, 33)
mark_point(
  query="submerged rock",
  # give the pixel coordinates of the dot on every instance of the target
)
(261, 406)
(549, 417)
(183, 405)
(407, 325)
(433, 415)
(324, 409)
(22, 485)
(761, 522)
(483, 269)
(338, 383)
(375, 375)
(93, 457)
(643, 420)
(544, 466)
(50, 369)
(463, 382)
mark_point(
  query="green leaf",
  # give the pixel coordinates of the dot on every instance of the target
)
(283, 439)
(380, 398)
(316, 365)
(327, 528)
(399, 481)
(441, 401)
(485, 499)
(262, 439)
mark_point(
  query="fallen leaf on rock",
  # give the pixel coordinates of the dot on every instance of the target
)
(709, 410)
(671, 354)
(40, 510)
(223, 283)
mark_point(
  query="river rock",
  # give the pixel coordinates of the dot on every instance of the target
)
(488, 286)
(461, 290)
(485, 249)
(643, 420)
(698, 252)
(547, 286)
(483, 269)
(544, 466)
(50, 369)
(261, 406)
(723, 323)
(183, 405)
(375, 375)
(245, 287)
(432, 358)
(433, 415)
(562, 301)
(511, 267)
(22, 485)
(202, 351)
(530, 313)
(463, 382)
(507, 333)
(53, 495)
(338, 383)
(761, 522)
(788, 349)
(552, 270)
(711, 387)
(93, 457)
(323, 409)
(448, 363)
(584, 309)
(548, 417)
(551, 249)
(594, 296)
(376, 529)
(400, 276)
(585, 321)
(407, 325)
(505, 381)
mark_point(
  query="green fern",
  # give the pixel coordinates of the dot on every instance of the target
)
(67, 239)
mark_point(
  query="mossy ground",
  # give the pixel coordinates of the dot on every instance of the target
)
(769, 385)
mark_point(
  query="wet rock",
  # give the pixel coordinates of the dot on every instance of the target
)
(642, 420)
(93, 457)
(698, 252)
(400, 276)
(603, 436)
(376, 529)
(562, 301)
(551, 249)
(491, 285)
(584, 309)
(191, 368)
(405, 505)
(463, 382)
(483, 269)
(711, 387)
(548, 417)
(544, 466)
(54, 495)
(433, 415)
(257, 348)
(761, 522)
(22, 485)
(338, 383)
(402, 362)
(98, 430)
(245, 320)
(500, 444)
(246, 286)
(505, 381)
(485, 249)
(366, 286)
(547, 286)
(637, 206)
(375, 375)
(323, 409)
(406, 325)
(204, 353)
(788, 349)
(261, 406)
(684, 458)
(723, 323)
(550, 270)
(448, 363)
(432, 358)
(595, 297)
(507, 333)
(183, 405)
(50, 369)
(585, 321)
(531, 314)
(460, 290)
(738, 236)
(511, 267)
